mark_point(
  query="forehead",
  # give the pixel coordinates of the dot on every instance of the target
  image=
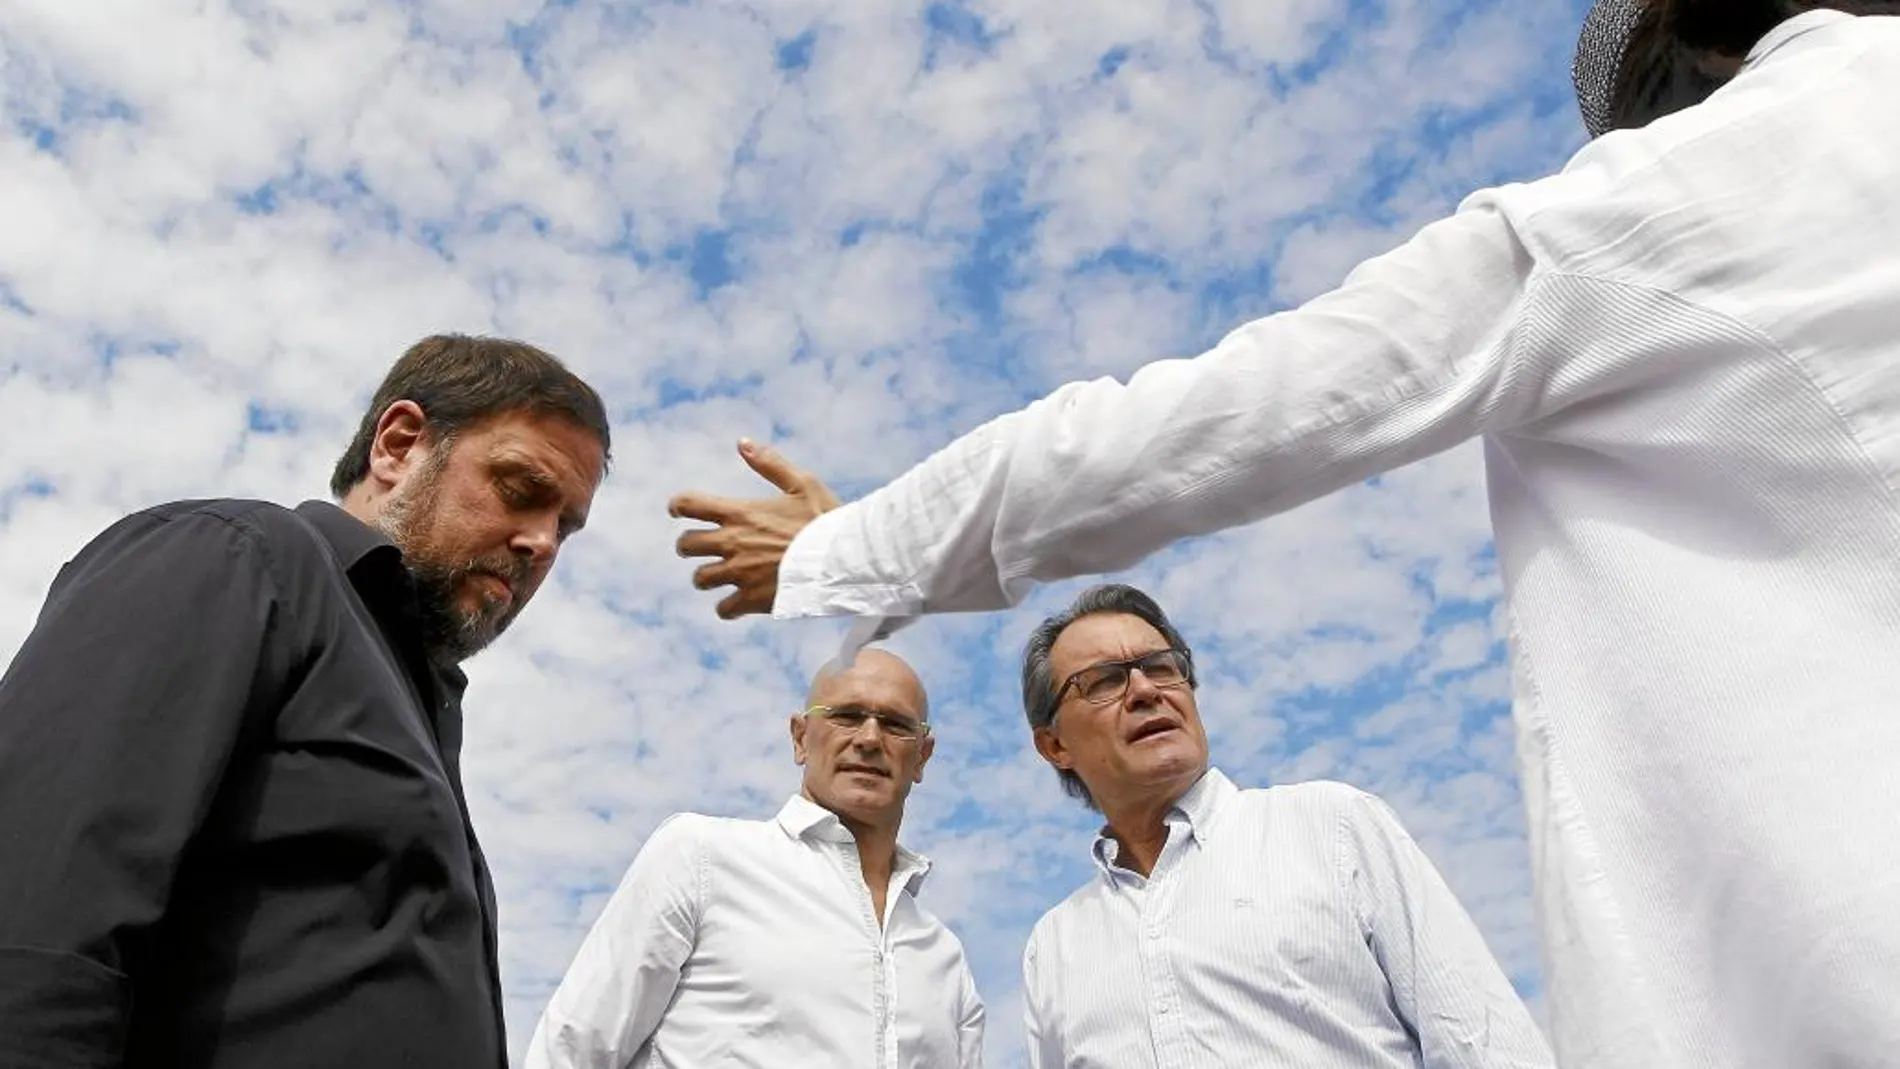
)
(881, 683)
(554, 446)
(1103, 636)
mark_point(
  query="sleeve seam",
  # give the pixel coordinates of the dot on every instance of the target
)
(65, 956)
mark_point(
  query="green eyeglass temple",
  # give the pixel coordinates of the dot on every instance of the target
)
(853, 717)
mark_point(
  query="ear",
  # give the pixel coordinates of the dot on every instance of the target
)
(1049, 745)
(925, 747)
(797, 727)
(400, 445)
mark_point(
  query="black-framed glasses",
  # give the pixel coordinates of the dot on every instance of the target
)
(1099, 684)
(852, 717)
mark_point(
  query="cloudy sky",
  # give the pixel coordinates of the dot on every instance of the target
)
(853, 228)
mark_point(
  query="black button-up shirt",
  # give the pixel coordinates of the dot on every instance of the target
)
(232, 831)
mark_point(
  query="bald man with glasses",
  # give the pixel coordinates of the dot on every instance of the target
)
(795, 941)
(1297, 925)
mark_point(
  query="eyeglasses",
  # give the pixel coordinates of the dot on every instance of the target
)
(1099, 684)
(852, 717)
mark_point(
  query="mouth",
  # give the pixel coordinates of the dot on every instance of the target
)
(1153, 728)
(498, 586)
(864, 770)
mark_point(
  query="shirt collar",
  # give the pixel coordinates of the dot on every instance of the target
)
(1788, 30)
(354, 541)
(1197, 808)
(374, 567)
(805, 819)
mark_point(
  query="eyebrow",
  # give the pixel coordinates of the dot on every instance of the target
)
(514, 466)
(1130, 659)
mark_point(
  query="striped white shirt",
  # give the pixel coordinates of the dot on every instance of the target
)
(1296, 926)
(754, 943)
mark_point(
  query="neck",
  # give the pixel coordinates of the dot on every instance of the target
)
(1139, 824)
(877, 847)
(358, 504)
(877, 856)
(1141, 830)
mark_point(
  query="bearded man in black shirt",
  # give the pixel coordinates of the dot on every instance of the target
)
(232, 830)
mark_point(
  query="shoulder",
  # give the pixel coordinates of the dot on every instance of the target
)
(677, 831)
(1349, 814)
(1314, 793)
(245, 514)
(264, 527)
(272, 527)
(711, 836)
(1319, 800)
(207, 517)
(183, 540)
(1350, 808)
(1061, 939)
(1070, 916)
(1318, 817)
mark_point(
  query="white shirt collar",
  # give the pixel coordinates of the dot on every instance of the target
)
(802, 818)
(1788, 30)
(1196, 809)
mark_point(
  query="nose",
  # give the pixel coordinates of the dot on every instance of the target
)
(537, 539)
(868, 735)
(1141, 690)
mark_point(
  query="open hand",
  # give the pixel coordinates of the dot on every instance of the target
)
(751, 536)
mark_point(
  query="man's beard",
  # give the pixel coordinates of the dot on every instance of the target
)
(450, 634)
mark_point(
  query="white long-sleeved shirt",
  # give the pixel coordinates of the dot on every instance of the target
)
(754, 944)
(1298, 925)
(1683, 355)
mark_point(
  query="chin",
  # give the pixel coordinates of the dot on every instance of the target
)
(866, 796)
(1176, 758)
(868, 801)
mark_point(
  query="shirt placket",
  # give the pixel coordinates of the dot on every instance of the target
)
(884, 974)
(1167, 1016)
(887, 1006)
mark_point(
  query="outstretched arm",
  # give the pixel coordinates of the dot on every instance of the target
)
(1411, 356)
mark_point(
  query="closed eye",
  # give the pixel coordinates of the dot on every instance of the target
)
(524, 488)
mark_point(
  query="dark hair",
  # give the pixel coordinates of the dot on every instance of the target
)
(1659, 73)
(1661, 67)
(1734, 27)
(1039, 681)
(460, 381)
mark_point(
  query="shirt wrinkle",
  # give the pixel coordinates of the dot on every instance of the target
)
(232, 716)
(1731, 533)
(1236, 945)
(786, 961)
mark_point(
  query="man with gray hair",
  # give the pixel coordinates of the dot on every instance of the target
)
(1295, 925)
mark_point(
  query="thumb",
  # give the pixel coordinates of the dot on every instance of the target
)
(772, 466)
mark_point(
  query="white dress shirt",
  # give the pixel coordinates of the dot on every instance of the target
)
(1293, 926)
(753, 943)
(1683, 356)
